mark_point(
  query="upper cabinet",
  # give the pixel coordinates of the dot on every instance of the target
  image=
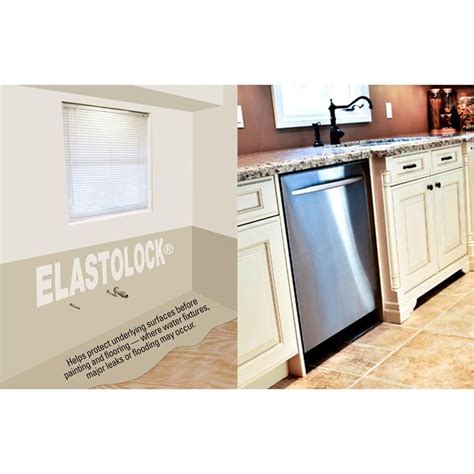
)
(300, 105)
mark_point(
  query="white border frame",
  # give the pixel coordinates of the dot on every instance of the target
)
(362, 115)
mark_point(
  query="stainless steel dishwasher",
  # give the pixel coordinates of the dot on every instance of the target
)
(331, 239)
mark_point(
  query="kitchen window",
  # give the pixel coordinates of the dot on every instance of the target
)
(107, 160)
(300, 105)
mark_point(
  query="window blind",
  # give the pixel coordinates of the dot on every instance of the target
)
(107, 160)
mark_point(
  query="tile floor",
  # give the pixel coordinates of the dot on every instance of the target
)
(432, 349)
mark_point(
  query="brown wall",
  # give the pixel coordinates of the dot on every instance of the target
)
(409, 105)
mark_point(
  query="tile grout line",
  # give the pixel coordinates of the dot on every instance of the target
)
(340, 371)
(405, 342)
(442, 314)
(357, 375)
(381, 379)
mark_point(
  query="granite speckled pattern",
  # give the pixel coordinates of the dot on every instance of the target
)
(258, 165)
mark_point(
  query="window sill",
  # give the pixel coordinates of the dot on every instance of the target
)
(89, 220)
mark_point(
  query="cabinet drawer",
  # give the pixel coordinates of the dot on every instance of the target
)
(407, 167)
(446, 159)
(255, 200)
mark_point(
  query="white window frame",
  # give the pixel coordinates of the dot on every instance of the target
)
(149, 158)
(285, 120)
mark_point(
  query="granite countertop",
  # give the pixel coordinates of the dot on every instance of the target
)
(257, 165)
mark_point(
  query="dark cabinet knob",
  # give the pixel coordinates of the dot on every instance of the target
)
(430, 187)
(438, 185)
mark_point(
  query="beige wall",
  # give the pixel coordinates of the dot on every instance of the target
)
(215, 166)
(31, 335)
(34, 212)
(215, 266)
(189, 98)
(215, 201)
(212, 95)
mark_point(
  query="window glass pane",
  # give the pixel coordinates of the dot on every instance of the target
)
(300, 105)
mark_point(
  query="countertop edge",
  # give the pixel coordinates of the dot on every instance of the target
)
(290, 160)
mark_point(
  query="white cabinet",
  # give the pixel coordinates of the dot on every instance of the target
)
(430, 225)
(267, 336)
(421, 223)
(256, 200)
(468, 157)
(450, 204)
(446, 159)
(415, 227)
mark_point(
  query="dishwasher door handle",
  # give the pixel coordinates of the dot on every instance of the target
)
(325, 186)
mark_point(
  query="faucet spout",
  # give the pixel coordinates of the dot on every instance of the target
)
(361, 97)
(335, 132)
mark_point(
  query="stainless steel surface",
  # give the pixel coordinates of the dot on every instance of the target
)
(323, 187)
(332, 250)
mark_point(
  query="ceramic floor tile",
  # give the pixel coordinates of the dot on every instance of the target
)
(355, 359)
(421, 317)
(287, 382)
(386, 336)
(431, 361)
(440, 302)
(458, 288)
(468, 277)
(318, 379)
(464, 305)
(440, 356)
(322, 378)
(372, 382)
(455, 324)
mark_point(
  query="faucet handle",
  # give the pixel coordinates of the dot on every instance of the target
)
(317, 135)
(352, 107)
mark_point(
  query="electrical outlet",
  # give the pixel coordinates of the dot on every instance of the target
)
(388, 110)
(240, 117)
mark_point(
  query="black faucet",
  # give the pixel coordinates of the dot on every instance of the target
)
(335, 132)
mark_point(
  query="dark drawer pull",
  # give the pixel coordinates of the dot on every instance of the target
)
(446, 158)
(407, 167)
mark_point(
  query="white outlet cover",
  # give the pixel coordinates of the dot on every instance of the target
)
(388, 110)
(240, 117)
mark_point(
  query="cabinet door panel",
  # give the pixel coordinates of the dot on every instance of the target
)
(266, 325)
(415, 231)
(450, 216)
